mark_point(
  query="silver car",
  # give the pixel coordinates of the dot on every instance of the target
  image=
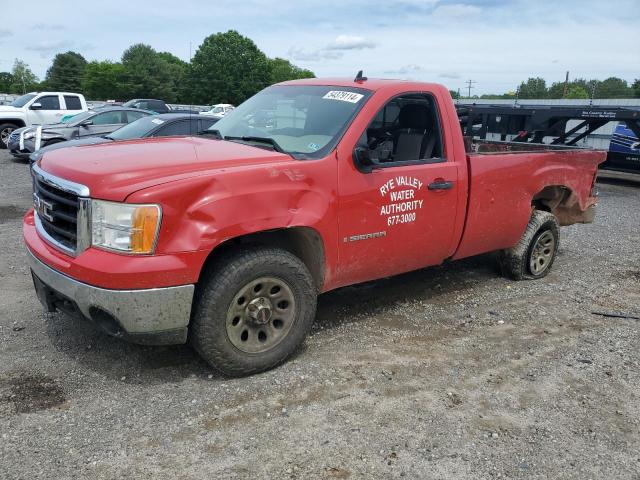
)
(27, 140)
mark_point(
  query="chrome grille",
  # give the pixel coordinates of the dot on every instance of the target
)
(61, 211)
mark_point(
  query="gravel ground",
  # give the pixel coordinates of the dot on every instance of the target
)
(448, 372)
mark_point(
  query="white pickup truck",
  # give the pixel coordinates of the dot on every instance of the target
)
(38, 108)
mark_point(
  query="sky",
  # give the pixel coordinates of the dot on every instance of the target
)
(495, 43)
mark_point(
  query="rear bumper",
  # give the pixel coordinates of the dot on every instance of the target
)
(155, 316)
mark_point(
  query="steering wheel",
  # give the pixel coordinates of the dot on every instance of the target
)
(375, 142)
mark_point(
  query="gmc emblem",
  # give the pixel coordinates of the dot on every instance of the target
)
(43, 207)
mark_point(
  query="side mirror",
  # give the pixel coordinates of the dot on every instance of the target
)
(87, 123)
(36, 106)
(363, 160)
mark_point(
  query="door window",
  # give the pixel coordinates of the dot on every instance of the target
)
(405, 130)
(72, 102)
(207, 122)
(49, 102)
(108, 118)
(175, 128)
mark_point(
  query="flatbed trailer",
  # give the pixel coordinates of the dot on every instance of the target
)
(548, 124)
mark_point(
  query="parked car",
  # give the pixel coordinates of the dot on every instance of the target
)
(154, 105)
(227, 239)
(27, 140)
(162, 125)
(38, 108)
(219, 110)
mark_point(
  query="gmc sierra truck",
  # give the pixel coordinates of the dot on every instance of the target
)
(225, 240)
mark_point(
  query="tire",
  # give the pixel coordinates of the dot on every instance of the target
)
(5, 131)
(533, 256)
(236, 295)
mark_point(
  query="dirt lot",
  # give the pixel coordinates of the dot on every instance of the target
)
(449, 372)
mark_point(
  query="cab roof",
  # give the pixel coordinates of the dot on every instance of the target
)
(55, 93)
(372, 84)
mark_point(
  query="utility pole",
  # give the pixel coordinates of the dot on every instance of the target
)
(593, 91)
(470, 86)
(566, 85)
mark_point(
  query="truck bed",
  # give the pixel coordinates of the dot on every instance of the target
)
(506, 180)
(479, 146)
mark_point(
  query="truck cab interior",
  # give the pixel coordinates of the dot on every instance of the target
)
(405, 129)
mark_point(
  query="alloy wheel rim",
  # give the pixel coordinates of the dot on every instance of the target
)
(542, 252)
(260, 315)
(4, 135)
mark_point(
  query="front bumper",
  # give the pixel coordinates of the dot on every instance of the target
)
(13, 146)
(154, 316)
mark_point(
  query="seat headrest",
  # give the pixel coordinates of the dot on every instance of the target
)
(415, 116)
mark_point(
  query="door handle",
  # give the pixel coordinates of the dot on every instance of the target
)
(440, 185)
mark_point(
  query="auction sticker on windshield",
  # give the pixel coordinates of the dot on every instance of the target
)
(343, 96)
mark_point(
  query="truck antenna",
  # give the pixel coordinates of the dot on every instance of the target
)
(359, 77)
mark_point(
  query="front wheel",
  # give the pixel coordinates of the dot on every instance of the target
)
(534, 254)
(253, 310)
(5, 132)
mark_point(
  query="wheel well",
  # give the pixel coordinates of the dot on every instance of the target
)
(550, 197)
(18, 123)
(563, 203)
(303, 242)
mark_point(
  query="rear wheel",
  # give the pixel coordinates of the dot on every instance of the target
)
(535, 253)
(253, 310)
(5, 132)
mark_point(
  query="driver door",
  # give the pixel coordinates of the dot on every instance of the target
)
(399, 215)
(48, 112)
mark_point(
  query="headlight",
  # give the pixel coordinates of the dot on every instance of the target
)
(29, 135)
(125, 227)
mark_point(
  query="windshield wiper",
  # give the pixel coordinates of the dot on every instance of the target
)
(266, 140)
(108, 137)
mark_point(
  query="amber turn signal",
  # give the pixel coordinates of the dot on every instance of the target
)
(144, 228)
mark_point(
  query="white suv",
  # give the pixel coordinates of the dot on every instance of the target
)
(38, 108)
(219, 110)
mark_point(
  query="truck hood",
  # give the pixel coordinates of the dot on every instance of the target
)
(7, 109)
(115, 170)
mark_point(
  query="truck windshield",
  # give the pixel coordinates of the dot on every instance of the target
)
(305, 121)
(22, 101)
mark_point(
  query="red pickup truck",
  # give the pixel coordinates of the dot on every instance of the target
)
(225, 240)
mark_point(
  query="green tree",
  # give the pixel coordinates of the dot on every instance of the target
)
(66, 72)
(613, 87)
(556, 90)
(178, 69)
(576, 91)
(454, 94)
(24, 80)
(283, 70)
(228, 68)
(533, 88)
(636, 88)
(103, 81)
(6, 79)
(149, 74)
